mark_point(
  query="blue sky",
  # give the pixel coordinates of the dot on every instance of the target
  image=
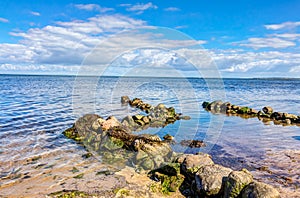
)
(245, 38)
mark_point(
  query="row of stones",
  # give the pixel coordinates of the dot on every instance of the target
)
(197, 175)
(156, 116)
(266, 114)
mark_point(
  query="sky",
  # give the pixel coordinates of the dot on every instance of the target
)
(242, 38)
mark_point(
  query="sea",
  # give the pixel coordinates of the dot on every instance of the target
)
(35, 110)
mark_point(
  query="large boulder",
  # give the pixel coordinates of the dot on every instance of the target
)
(190, 163)
(236, 181)
(209, 179)
(259, 190)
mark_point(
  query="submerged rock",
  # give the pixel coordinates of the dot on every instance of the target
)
(125, 100)
(193, 143)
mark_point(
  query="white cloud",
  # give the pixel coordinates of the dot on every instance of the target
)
(66, 43)
(139, 7)
(295, 69)
(285, 25)
(35, 13)
(3, 20)
(92, 7)
(172, 9)
(181, 27)
(258, 43)
(251, 64)
(288, 36)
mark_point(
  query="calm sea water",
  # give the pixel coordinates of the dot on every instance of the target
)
(35, 110)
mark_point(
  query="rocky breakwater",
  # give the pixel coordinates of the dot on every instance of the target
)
(187, 174)
(267, 114)
(114, 141)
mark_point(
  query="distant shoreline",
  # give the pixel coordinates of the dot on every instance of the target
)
(92, 76)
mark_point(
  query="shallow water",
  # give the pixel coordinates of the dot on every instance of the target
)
(36, 109)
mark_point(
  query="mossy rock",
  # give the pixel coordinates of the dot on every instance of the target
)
(171, 183)
(112, 143)
(235, 182)
(72, 134)
(244, 110)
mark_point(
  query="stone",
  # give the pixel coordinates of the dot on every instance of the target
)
(205, 104)
(168, 137)
(160, 106)
(146, 120)
(129, 120)
(267, 110)
(147, 164)
(289, 116)
(253, 111)
(135, 102)
(209, 179)
(225, 106)
(84, 124)
(235, 107)
(184, 117)
(244, 110)
(236, 181)
(110, 122)
(125, 100)
(192, 163)
(137, 117)
(259, 190)
(193, 143)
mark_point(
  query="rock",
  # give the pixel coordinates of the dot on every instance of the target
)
(110, 122)
(267, 110)
(276, 116)
(289, 116)
(97, 124)
(253, 111)
(137, 117)
(135, 102)
(72, 133)
(146, 120)
(140, 155)
(192, 163)
(160, 106)
(128, 120)
(235, 107)
(244, 110)
(84, 124)
(236, 181)
(168, 137)
(112, 143)
(170, 177)
(147, 164)
(205, 104)
(225, 106)
(193, 143)
(125, 100)
(171, 169)
(184, 117)
(259, 190)
(209, 179)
